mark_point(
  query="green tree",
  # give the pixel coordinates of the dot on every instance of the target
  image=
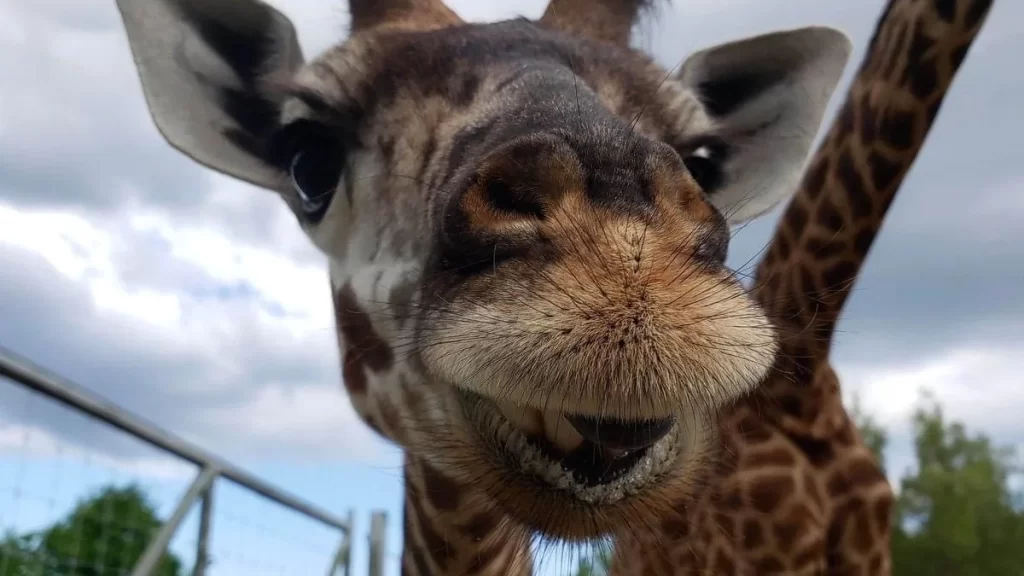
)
(104, 535)
(874, 436)
(597, 563)
(16, 555)
(957, 514)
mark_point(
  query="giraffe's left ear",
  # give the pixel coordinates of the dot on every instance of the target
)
(766, 96)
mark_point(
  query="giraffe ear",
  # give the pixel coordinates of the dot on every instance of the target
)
(766, 96)
(202, 65)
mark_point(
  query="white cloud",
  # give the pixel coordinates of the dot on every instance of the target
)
(979, 385)
(34, 442)
(301, 290)
(267, 350)
(317, 420)
(86, 251)
(82, 252)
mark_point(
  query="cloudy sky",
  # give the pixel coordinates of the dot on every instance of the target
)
(194, 300)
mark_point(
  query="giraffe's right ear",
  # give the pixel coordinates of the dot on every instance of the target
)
(202, 65)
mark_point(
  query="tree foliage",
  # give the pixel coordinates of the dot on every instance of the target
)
(597, 563)
(873, 435)
(104, 535)
(956, 512)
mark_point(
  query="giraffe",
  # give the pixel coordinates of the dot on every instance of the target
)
(801, 493)
(526, 225)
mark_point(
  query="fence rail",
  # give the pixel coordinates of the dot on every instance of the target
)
(211, 467)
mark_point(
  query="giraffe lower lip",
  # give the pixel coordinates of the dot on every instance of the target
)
(591, 464)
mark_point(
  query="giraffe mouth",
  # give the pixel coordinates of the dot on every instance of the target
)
(591, 464)
(598, 459)
(593, 450)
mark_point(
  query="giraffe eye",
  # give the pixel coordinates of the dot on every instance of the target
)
(704, 162)
(315, 159)
(315, 172)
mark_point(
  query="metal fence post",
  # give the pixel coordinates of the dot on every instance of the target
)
(158, 546)
(203, 542)
(343, 557)
(348, 541)
(378, 524)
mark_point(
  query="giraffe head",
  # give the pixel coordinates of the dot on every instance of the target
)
(526, 223)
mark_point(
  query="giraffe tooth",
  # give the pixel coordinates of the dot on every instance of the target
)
(560, 432)
(616, 454)
(525, 418)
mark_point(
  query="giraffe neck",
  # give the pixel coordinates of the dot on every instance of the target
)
(449, 529)
(829, 227)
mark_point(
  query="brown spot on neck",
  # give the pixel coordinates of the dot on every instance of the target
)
(363, 347)
(442, 492)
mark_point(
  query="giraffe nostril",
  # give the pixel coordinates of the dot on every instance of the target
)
(513, 198)
(621, 434)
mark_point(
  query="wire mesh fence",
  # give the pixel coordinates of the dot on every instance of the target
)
(66, 509)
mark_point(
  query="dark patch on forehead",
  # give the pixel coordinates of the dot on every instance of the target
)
(452, 62)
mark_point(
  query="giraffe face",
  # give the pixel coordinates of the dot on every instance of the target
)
(557, 211)
(576, 304)
(575, 328)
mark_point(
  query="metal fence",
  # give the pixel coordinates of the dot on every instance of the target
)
(200, 491)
